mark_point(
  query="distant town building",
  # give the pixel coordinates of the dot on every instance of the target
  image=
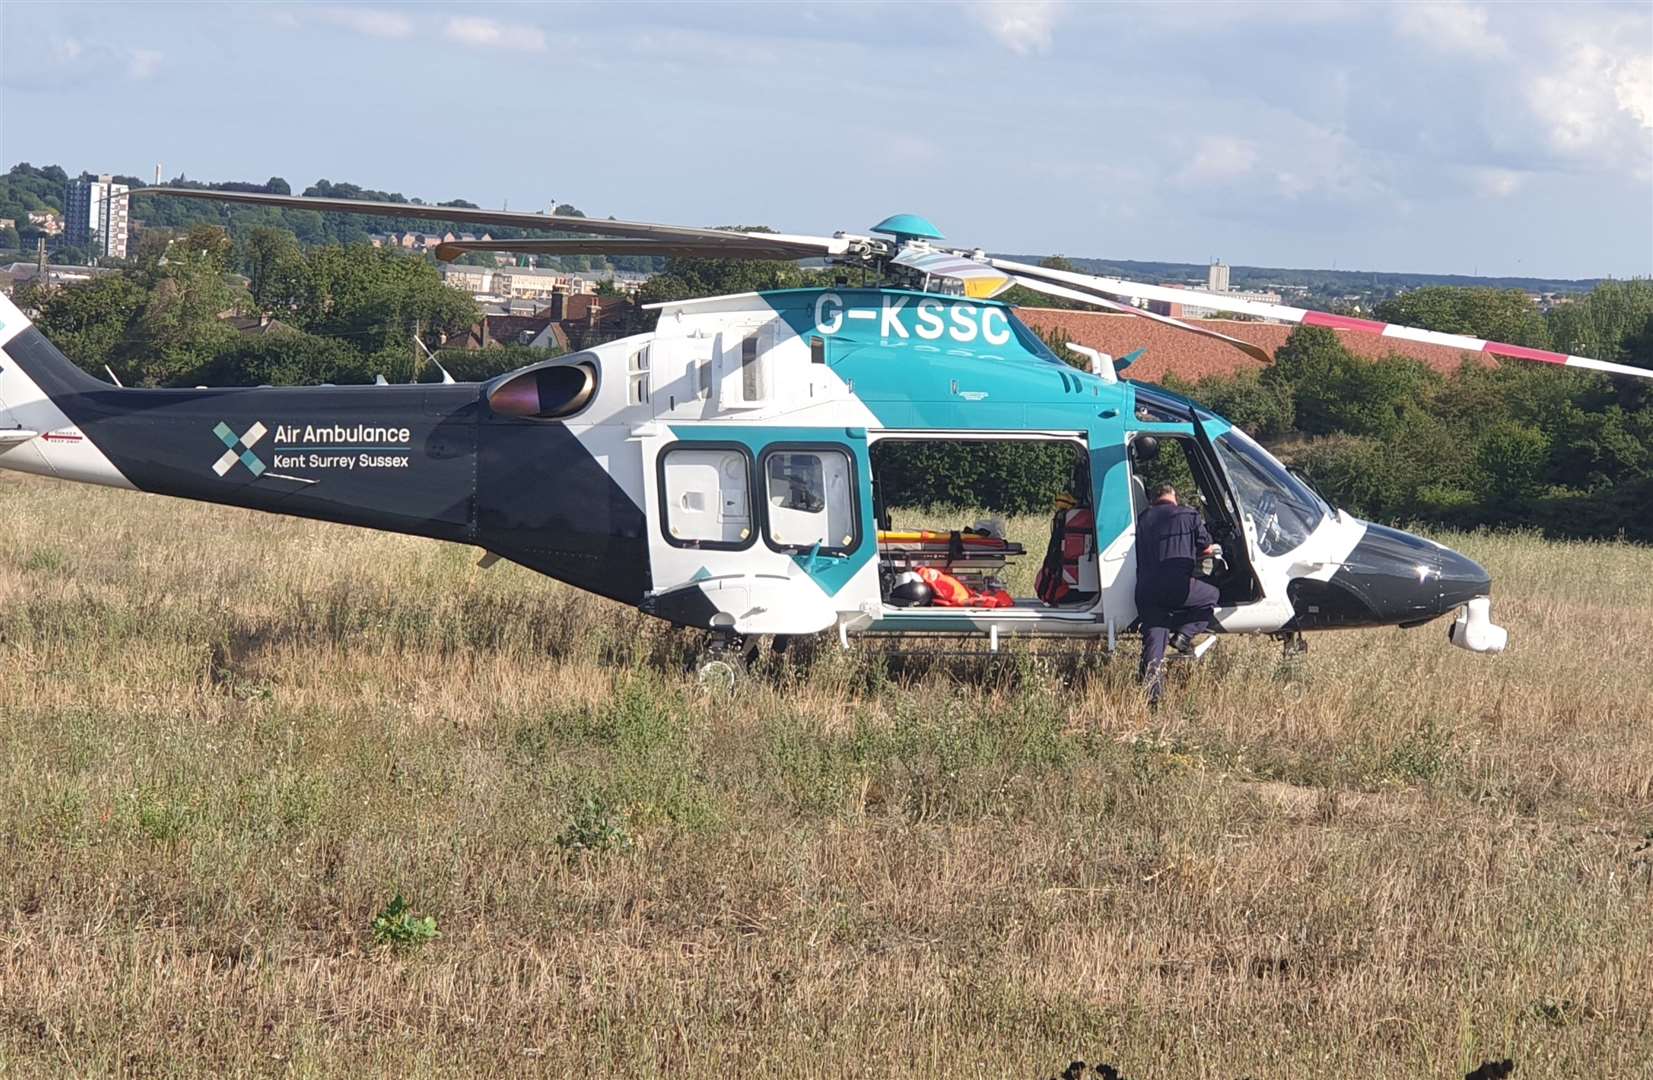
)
(412, 241)
(476, 280)
(1216, 277)
(55, 274)
(95, 210)
(1193, 309)
(520, 281)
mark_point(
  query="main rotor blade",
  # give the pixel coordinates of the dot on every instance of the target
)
(547, 222)
(1257, 352)
(728, 246)
(1305, 317)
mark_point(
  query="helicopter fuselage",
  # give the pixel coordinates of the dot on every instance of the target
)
(720, 472)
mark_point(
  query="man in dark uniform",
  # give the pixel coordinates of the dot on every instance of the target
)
(1172, 603)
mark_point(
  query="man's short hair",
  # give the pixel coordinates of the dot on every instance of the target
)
(1164, 490)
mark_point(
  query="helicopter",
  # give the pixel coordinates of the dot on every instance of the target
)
(721, 471)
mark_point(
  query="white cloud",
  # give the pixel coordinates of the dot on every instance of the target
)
(1633, 86)
(1496, 183)
(374, 22)
(142, 63)
(491, 34)
(1453, 27)
(1596, 107)
(1218, 159)
(1022, 26)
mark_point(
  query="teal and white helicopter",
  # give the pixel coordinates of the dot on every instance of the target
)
(721, 471)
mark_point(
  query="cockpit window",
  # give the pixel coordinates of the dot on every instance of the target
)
(1282, 508)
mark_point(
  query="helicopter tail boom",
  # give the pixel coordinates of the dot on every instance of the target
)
(400, 458)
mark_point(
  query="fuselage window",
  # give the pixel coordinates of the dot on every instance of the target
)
(810, 499)
(637, 375)
(751, 381)
(706, 497)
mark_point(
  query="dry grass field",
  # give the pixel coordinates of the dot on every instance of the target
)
(229, 741)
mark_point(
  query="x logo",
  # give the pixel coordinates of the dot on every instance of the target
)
(239, 449)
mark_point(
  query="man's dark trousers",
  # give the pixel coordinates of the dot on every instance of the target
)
(1169, 598)
(1158, 624)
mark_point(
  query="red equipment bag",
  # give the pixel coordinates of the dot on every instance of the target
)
(1072, 536)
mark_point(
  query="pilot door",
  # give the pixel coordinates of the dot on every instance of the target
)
(1181, 455)
(752, 534)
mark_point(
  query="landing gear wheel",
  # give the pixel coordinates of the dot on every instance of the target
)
(718, 675)
(727, 659)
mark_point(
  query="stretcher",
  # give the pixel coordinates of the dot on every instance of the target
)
(956, 551)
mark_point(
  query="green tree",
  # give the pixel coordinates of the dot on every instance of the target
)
(283, 359)
(1495, 314)
(1264, 409)
(270, 258)
(375, 299)
(1303, 367)
(1608, 323)
(180, 328)
(1511, 460)
(477, 365)
(94, 323)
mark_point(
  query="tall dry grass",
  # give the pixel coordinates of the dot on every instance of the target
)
(230, 740)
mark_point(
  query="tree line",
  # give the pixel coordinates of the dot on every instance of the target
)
(203, 309)
(1514, 444)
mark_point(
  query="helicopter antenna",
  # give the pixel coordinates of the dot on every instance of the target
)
(430, 356)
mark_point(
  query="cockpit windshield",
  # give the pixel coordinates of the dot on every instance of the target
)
(1283, 509)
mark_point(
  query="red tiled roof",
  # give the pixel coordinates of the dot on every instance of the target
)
(1192, 357)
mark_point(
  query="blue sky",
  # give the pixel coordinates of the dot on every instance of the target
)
(1453, 138)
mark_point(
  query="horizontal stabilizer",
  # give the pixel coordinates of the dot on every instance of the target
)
(10, 437)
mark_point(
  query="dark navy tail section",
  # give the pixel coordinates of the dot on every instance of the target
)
(545, 501)
(426, 460)
(401, 458)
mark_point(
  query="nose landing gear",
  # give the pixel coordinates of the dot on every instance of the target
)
(1292, 643)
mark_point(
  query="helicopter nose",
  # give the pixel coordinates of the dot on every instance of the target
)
(1391, 578)
(1462, 579)
(1408, 579)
